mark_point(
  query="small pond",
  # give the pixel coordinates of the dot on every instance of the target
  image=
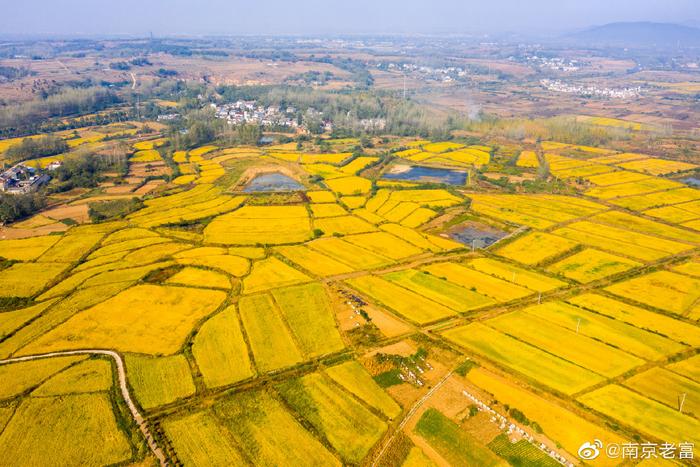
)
(272, 182)
(692, 181)
(427, 175)
(477, 238)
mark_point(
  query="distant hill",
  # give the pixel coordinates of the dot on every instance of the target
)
(641, 34)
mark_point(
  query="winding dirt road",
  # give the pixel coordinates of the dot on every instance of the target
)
(121, 376)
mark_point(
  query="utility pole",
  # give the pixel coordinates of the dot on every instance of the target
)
(578, 325)
(682, 401)
(404, 86)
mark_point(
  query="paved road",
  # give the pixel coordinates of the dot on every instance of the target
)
(121, 375)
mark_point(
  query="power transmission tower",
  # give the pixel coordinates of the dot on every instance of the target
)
(404, 86)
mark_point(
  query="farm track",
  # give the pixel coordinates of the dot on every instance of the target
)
(411, 412)
(121, 376)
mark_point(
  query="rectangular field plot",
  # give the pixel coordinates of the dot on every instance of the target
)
(516, 275)
(403, 301)
(633, 340)
(441, 291)
(483, 284)
(667, 388)
(561, 425)
(384, 244)
(199, 439)
(536, 248)
(630, 188)
(147, 375)
(621, 241)
(616, 178)
(523, 358)
(566, 344)
(309, 313)
(327, 210)
(677, 213)
(354, 256)
(690, 368)
(347, 425)
(354, 378)
(268, 434)
(656, 166)
(674, 329)
(639, 224)
(643, 414)
(268, 336)
(590, 265)
(313, 261)
(675, 293)
(220, 350)
(661, 198)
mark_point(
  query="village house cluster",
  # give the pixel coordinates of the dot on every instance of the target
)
(592, 91)
(21, 179)
(241, 112)
(446, 74)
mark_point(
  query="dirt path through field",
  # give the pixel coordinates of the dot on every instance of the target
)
(121, 375)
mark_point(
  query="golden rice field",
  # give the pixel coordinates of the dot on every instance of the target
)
(146, 376)
(536, 248)
(268, 328)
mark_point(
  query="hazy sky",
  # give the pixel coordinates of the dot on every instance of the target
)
(185, 17)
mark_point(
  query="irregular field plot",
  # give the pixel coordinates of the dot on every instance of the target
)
(26, 279)
(200, 278)
(408, 304)
(220, 350)
(690, 368)
(23, 376)
(590, 265)
(12, 320)
(252, 225)
(536, 247)
(159, 381)
(347, 425)
(271, 273)
(350, 185)
(308, 311)
(344, 225)
(643, 414)
(145, 319)
(26, 249)
(313, 261)
(665, 290)
(66, 430)
(354, 378)
(530, 361)
(457, 446)
(269, 338)
(87, 376)
(384, 244)
(268, 434)
(352, 255)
